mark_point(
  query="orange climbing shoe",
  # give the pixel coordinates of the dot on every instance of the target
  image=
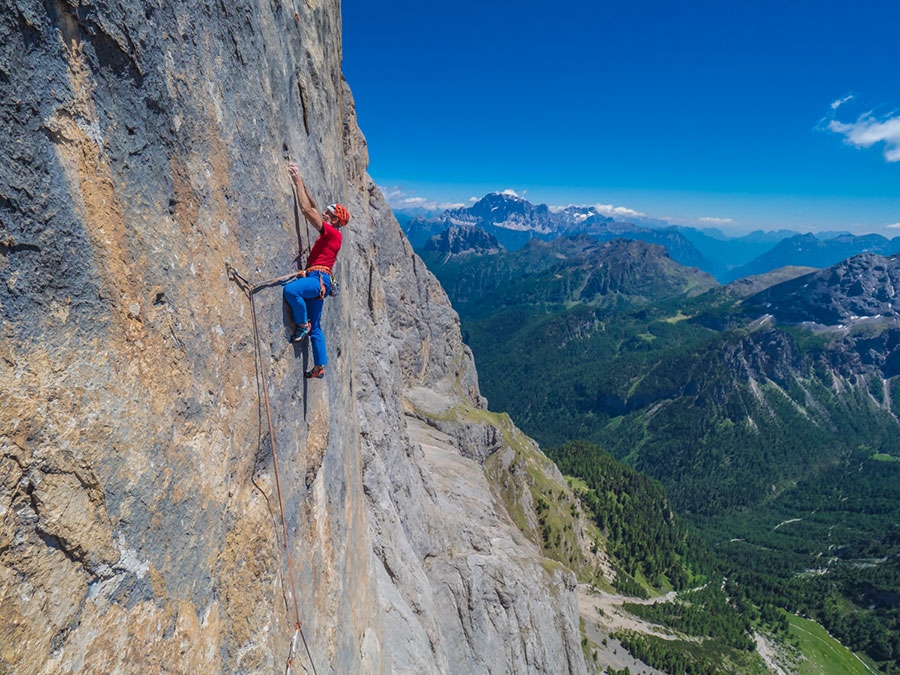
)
(318, 372)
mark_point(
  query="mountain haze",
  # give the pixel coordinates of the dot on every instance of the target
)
(811, 251)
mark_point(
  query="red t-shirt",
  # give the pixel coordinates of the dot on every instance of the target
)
(324, 251)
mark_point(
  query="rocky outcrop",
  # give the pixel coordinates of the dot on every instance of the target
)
(141, 528)
(862, 287)
(463, 239)
(743, 288)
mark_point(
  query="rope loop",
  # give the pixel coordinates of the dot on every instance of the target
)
(250, 289)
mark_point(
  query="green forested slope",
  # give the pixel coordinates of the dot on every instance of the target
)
(557, 275)
(777, 441)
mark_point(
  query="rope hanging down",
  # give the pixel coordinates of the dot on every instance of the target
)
(250, 290)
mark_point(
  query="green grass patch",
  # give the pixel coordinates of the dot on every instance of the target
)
(823, 654)
(545, 509)
(679, 316)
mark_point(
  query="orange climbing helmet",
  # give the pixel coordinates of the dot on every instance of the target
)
(341, 213)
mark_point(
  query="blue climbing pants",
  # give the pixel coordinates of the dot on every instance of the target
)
(302, 296)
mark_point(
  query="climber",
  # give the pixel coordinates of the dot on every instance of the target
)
(306, 294)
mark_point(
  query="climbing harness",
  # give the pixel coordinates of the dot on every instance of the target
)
(322, 269)
(250, 290)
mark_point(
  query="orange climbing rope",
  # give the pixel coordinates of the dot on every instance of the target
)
(250, 290)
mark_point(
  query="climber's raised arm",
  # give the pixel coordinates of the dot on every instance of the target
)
(307, 205)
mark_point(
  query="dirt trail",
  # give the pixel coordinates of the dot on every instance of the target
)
(605, 610)
(769, 654)
(603, 614)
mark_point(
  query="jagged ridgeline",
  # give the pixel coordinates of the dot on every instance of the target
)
(514, 221)
(767, 408)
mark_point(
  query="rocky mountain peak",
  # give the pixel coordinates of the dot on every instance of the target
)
(506, 210)
(464, 239)
(860, 288)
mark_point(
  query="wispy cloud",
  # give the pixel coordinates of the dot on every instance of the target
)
(399, 199)
(716, 221)
(895, 226)
(841, 101)
(868, 130)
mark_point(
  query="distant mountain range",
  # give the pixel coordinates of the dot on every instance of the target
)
(553, 275)
(812, 251)
(768, 408)
(514, 221)
(464, 240)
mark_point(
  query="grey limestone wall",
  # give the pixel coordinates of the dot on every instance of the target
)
(145, 149)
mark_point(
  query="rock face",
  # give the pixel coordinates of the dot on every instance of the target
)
(864, 286)
(141, 528)
(464, 239)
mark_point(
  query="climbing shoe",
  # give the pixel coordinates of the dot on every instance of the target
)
(318, 372)
(300, 332)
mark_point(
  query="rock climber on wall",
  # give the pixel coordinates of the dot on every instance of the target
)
(306, 295)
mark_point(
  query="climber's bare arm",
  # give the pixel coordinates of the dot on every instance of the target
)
(307, 205)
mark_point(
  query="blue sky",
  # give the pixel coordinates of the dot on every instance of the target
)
(734, 113)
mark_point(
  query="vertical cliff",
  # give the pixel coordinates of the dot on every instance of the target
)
(141, 528)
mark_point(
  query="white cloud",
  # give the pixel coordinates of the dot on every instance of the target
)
(841, 101)
(392, 193)
(509, 193)
(716, 221)
(895, 226)
(867, 131)
(399, 199)
(610, 210)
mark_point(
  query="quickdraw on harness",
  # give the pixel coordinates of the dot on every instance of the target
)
(251, 289)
